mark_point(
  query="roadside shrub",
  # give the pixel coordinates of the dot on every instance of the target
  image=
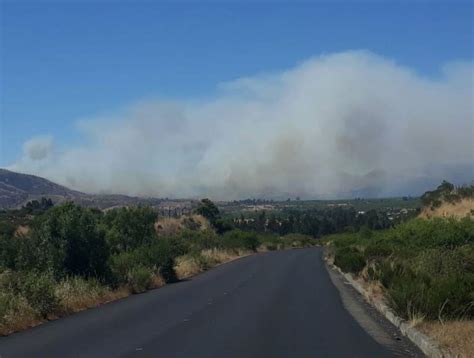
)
(139, 279)
(425, 266)
(386, 272)
(160, 256)
(76, 293)
(188, 265)
(167, 270)
(237, 239)
(15, 312)
(71, 243)
(37, 288)
(271, 246)
(7, 302)
(377, 250)
(420, 234)
(21, 253)
(349, 260)
(297, 240)
(120, 265)
(269, 241)
(201, 240)
(129, 228)
(157, 257)
(434, 298)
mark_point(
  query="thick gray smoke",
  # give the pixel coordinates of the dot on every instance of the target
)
(344, 124)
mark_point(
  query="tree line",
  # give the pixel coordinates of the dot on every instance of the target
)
(313, 222)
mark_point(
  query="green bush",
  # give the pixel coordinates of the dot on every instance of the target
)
(377, 249)
(200, 240)
(237, 239)
(70, 242)
(271, 246)
(426, 266)
(139, 279)
(158, 257)
(349, 260)
(297, 240)
(433, 297)
(7, 302)
(37, 288)
(21, 253)
(121, 264)
(129, 228)
(167, 270)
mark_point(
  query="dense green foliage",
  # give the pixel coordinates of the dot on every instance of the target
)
(119, 247)
(349, 259)
(129, 228)
(70, 242)
(426, 266)
(211, 212)
(359, 204)
(69, 245)
(314, 222)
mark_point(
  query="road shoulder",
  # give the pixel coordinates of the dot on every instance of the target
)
(370, 319)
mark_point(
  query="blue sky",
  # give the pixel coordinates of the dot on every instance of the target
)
(65, 61)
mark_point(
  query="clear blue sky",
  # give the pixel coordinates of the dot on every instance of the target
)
(65, 61)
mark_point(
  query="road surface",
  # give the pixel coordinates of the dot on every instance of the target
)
(276, 304)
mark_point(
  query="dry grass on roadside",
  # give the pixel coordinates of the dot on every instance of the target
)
(76, 294)
(218, 256)
(190, 265)
(187, 266)
(455, 337)
(19, 316)
(157, 281)
(374, 289)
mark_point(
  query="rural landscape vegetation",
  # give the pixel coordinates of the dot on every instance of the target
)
(236, 179)
(57, 259)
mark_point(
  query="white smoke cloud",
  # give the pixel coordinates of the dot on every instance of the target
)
(38, 148)
(332, 125)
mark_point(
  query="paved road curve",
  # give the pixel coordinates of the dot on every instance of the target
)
(278, 304)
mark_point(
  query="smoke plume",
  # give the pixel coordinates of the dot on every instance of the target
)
(350, 123)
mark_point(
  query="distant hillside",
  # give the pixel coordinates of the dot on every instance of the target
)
(448, 201)
(17, 189)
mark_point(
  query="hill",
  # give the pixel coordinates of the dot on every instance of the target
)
(16, 189)
(448, 201)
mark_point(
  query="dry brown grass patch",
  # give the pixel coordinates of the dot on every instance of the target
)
(174, 226)
(190, 265)
(218, 256)
(460, 209)
(455, 337)
(76, 294)
(157, 281)
(374, 289)
(20, 317)
(187, 266)
(22, 230)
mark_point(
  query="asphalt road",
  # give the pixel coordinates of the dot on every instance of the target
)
(277, 304)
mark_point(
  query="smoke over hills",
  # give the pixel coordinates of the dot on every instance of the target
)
(350, 123)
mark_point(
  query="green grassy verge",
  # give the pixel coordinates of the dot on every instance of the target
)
(426, 267)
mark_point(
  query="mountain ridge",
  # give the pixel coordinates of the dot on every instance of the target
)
(16, 189)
